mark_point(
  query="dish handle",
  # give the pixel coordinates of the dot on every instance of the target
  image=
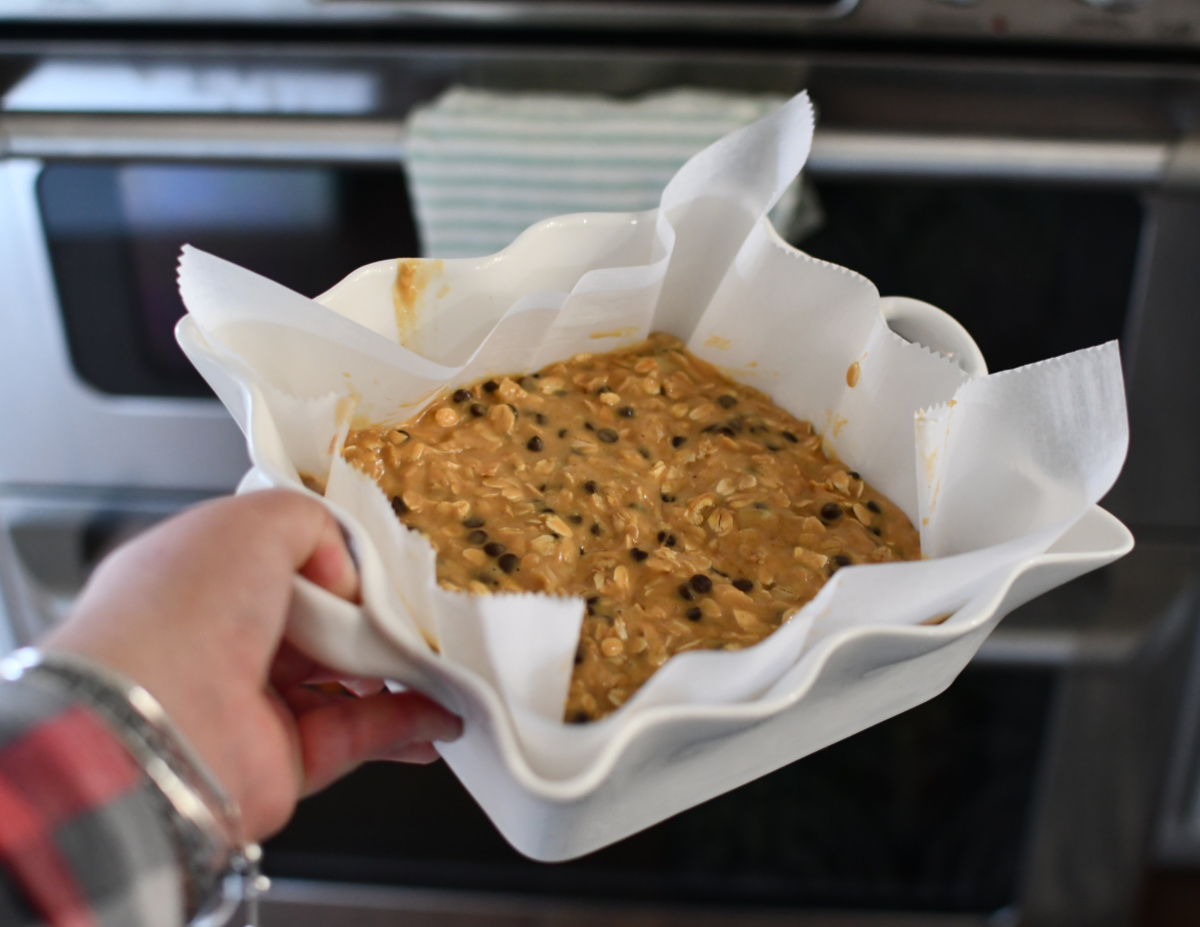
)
(925, 324)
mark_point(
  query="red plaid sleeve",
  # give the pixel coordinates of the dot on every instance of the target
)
(82, 842)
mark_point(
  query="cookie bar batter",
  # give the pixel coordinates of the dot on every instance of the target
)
(686, 510)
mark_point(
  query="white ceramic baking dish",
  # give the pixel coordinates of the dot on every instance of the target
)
(668, 758)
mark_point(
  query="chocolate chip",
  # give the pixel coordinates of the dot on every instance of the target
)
(575, 518)
(491, 386)
(667, 497)
(645, 452)
(478, 536)
(638, 554)
(539, 418)
(578, 660)
(700, 583)
(398, 506)
(508, 562)
(678, 441)
(735, 425)
(478, 410)
(693, 614)
(670, 541)
(562, 432)
(592, 599)
(595, 529)
(774, 447)
(876, 532)
(589, 426)
(473, 521)
(874, 506)
(462, 395)
(662, 536)
(726, 431)
(607, 435)
(625, 411)
(788, 436)
(542, 487)
(855, 475)
(745, 585)
(578, 717)
(589, 487)
(727, 402)
(534, 443)
(685, 592)
(837, 561)
(494, 548)
(831, 511)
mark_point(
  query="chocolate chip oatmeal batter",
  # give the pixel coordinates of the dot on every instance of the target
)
(687, 510)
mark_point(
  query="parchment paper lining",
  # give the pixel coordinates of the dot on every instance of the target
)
(997, 469)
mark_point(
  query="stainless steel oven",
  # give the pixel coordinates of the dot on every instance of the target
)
(1031, 167)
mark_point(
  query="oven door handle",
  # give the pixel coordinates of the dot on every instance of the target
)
(851, 154)
(836, 153)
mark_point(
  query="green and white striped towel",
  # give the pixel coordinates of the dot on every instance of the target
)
(484, 166)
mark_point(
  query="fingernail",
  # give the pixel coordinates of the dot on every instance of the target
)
(454, 731)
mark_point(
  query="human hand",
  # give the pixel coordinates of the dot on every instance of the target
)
(194, 611)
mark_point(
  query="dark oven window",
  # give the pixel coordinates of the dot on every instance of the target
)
(114, 232)
(925, 812)
(1030, 272)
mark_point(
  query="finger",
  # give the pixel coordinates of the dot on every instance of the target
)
(291, 667)
(421, 754)
(341, 734)
(305, 531)
(306, 697)
(311, 526)
(332, 568)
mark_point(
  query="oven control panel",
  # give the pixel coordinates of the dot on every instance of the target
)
(1094, 22)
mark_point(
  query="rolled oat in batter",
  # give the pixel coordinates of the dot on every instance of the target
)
(687, 510)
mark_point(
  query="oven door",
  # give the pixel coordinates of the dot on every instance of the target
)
(986, 805)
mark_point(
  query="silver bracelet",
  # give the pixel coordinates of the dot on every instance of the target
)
(220, 869)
